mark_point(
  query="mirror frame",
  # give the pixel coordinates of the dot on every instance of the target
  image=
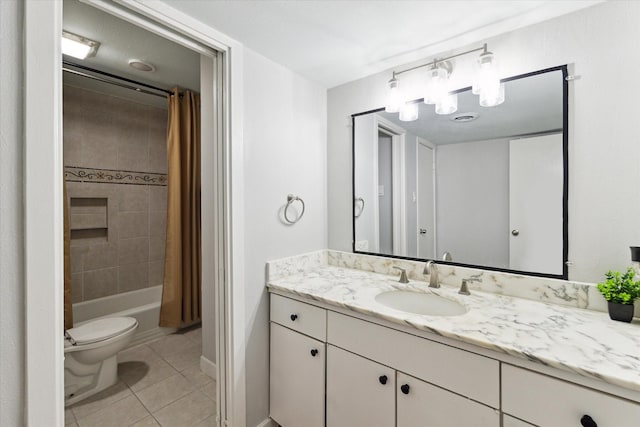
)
(565, 184)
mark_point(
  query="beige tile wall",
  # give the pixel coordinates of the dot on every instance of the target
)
(106, 132)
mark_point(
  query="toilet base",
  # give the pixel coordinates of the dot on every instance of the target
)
(82, 381)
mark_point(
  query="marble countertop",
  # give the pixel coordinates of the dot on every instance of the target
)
(581, 341)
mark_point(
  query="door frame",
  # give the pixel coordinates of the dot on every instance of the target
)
(43, 250)
(399, 178)
(434, 148)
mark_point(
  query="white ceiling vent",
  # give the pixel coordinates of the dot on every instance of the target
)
(464, 117)
(141, 65)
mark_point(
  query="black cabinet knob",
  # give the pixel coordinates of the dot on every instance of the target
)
(587, 421)
(405, 388)
(314, 352)
(383, 379)
(294, 317)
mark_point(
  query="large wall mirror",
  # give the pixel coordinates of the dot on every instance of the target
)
(485, 186)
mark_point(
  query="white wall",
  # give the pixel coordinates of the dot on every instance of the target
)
(11, 217)
(285, 152)
(602, 43)
(472, 206)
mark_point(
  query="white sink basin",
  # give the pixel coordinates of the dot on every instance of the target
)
(420, 303)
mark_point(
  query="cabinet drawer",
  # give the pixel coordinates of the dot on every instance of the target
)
(299, 316)
(471, 375)
(547, 401)
(421, 404)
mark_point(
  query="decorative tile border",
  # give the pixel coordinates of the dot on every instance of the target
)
(78, 174)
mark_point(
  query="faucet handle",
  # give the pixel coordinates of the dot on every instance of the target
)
(403, 274)
(464, 288)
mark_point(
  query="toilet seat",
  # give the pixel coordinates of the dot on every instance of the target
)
(100, 329)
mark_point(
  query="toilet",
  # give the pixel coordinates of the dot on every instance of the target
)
(90, 361)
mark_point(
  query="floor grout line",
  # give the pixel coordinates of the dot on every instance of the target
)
(150, 352)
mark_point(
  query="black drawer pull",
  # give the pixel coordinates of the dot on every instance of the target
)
(293, 317)
(383, 379)
(314, 352)
(405, 388)
(587, 421)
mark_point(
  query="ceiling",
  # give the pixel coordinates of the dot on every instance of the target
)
(334, 42)
(532, 105)
(121, 41)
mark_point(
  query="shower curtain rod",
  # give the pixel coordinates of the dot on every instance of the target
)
(137, 84)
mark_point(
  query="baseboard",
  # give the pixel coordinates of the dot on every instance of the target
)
(268, 423)
(208, 367)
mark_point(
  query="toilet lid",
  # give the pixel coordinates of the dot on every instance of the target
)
(101, 329)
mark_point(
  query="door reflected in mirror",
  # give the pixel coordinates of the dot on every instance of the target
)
(485, 186)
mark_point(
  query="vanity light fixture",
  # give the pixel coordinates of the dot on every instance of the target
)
(448, 104)
(487, 81)
(437, 84)
(78, 46)
(486, 84)
(409, 112)
(394, 100)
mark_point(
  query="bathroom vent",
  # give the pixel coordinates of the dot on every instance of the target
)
(464, 117)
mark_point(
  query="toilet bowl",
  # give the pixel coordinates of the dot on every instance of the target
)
(90, 361)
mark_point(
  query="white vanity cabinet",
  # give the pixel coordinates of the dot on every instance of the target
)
(360, 392)
(375, 375)
(422, 404)
(297, 378)
(297, 363)
(545, 401)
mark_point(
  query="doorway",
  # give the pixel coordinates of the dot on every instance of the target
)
(43, 222)
(426, 199)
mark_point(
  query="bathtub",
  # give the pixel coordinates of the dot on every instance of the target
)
(143, 304)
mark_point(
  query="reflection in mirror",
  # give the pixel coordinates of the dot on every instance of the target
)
(483, 186)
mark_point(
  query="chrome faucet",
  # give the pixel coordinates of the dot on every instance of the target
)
(464, 288)
(431, 268)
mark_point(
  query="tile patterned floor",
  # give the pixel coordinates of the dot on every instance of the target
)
(160, 384)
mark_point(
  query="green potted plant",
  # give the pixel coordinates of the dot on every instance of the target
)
(620, 291)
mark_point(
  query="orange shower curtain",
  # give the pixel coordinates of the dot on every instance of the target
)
(181, 298)
(68, 311)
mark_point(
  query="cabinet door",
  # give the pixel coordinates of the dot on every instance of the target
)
(547, 401)
(422, 404)
(297, 379)
(359, 392)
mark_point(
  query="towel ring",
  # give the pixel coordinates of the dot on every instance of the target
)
(355, 205)
(290, 199)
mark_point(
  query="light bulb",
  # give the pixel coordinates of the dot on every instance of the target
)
(394, 99)
(486, 78)
(78, 46)
(409, 112)
(492, 96)
(448, 104)
(437, 85)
